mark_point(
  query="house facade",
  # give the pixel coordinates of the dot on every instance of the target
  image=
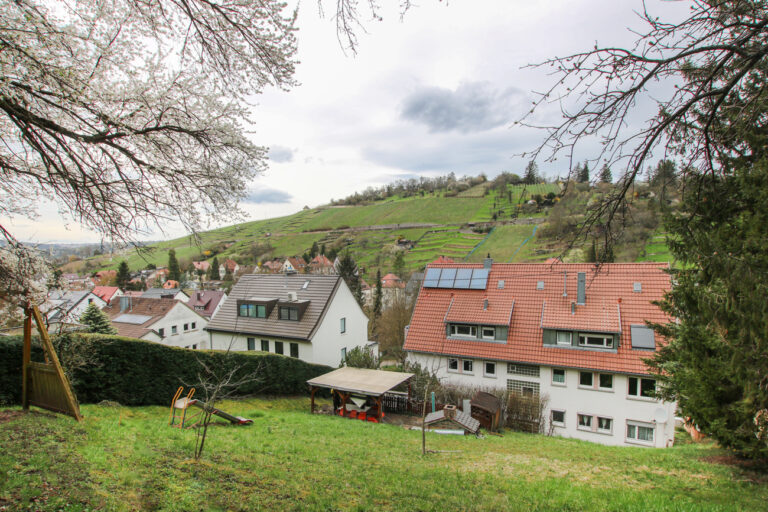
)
(163, 293)
(65, 308)
(207, 302)
(167, 321)
(312, 317)
(574, 333)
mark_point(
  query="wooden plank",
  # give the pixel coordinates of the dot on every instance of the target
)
(71, 401)
(25, 358)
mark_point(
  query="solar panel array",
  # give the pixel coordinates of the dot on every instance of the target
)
(461, 278)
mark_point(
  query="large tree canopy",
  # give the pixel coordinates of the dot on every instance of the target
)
(130, 113)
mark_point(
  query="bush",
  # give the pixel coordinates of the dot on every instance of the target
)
(136, 372)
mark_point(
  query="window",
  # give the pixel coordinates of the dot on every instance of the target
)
(489, 369)
(251, 343)
(585, 422)
(604, 425)
(453, 365)
(278, 347)
(288, 313)
(174, 330)
(161, 332)
(639, 387)
(252, 310)
(90, 301)
(344, 354)
(194, 325)
(265, 345)
(186, 327)
(489, 333)
(605, 381)
(595, 341)
(642, 337)
(343, 326)
(558, 376)
(194, 347)
(294, 350)
(523, 387)
(639, 432)
(585, 379)
(463, 330)
(527, 370)
(564, 337)
(466, 365)
(558, 418)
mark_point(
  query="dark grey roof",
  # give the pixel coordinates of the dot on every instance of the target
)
(156, 293)
(319, 293)
(61, 303)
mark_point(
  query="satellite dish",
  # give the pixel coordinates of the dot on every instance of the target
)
(660, 415)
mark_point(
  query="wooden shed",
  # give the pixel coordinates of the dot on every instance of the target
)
(449, 414)
(486, 408)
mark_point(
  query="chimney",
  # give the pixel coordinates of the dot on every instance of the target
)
(581, 295)
(449, 411)
(487, 262)
(125, 302)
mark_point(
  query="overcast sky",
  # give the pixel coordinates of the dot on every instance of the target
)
(434, 93)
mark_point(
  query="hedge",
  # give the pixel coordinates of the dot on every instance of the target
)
(136, 372)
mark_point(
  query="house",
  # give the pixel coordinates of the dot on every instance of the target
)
(320, 264)
(228, 265)
(167, 321)
(162, 293)
(170, 284)
(574, 332)
(201, 266)
(272, 266)
(293, 265)
(64, 308)
(107, 293)
(104, 277)
(392, 288)
(312, 317)
(207, 302)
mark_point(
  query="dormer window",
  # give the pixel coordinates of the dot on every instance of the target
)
(489, 333)
(595, 341)
(252, 310)
(469, 331)
(288, 313)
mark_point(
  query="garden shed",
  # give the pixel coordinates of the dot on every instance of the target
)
(486, 408)
(358, 392)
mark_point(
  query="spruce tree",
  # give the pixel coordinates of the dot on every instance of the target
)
(347, 269)
(123, 275)
(213, 271)
(96, 320)
(377, 298)
(531, 173)
(605, 175)
(399, 265)
(583, 175)
(174, 272)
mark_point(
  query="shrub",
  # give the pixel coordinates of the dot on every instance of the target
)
(136, 372)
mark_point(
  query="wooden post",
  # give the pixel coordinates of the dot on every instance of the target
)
(379, 412)
(312, 399)
(26, 357)
(344, 397)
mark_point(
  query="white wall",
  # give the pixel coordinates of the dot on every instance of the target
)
(178, 316)
(571, 398)
(239, 342)
(75, 313)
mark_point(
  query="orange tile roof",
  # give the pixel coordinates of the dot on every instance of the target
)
(105, 292)
(611, 306)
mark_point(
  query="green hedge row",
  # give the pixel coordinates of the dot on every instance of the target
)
(136, 372)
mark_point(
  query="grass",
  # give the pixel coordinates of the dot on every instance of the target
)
(129, 459)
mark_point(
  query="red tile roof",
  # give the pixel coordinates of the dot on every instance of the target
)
(169, 284)
(392, 281)
(201, 265)
(611, 305)
(105, 292)
(321, 261)
(442, 259)
(205, 301)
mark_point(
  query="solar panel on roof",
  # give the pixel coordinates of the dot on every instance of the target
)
(432, 277)
(479, 279)
(446, 278)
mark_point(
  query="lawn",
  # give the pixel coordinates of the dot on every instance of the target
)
(123, 458)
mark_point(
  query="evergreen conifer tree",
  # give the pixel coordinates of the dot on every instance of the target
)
(96, 320)
(531, 173)
(399, 265)
(174, 272)
(213, 271)
(377, 298)
(583, 173)
(605, 175)
(123, 275)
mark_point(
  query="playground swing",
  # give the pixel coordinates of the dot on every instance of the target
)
(180, 405)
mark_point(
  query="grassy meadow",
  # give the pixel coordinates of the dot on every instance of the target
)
(123, 458)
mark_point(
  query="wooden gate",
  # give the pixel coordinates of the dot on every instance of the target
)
(44, 384)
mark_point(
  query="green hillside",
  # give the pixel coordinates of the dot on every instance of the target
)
(465, 226)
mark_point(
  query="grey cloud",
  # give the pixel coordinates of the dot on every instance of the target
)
(280, 154)
(472, 107)
(267, 196)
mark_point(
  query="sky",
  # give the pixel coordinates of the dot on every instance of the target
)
(435, 92)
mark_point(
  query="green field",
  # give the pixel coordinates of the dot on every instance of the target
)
(123, 458)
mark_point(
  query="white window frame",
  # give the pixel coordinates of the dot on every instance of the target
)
(485, 369)
(174, 330)
(599, 384)
(492, 331)
(636, 440)
(607, 341)
(639, 395)
(587, 428)
(471, 370)
(453, 370)
(552, 418)
(471, 328)
(564, 343)
(343, 325)
(603, 430)
(556, 383)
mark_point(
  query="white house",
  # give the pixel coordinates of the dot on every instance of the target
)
(572, 332)
(311, 317)
(162, 293)
(64, 308)
(167, 321)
